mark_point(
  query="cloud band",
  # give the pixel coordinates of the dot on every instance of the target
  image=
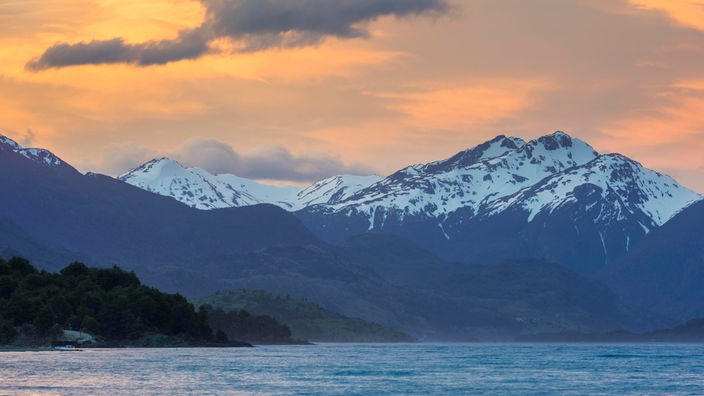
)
(254, 24)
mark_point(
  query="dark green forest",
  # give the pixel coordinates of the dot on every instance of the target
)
(107, 302)
(115, 307)
(241, 325)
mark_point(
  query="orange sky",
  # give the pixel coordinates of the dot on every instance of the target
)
(626, 76)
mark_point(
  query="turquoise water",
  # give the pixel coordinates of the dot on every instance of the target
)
(363, 369)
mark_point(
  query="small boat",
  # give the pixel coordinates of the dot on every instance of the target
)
(66, 348)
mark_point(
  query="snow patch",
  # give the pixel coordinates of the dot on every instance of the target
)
(603, 245)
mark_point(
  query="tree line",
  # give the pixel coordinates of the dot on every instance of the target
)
(113, 305)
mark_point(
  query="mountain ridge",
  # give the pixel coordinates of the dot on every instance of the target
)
(201, 189)
(386, 279)
(478, 179)
(505, 195)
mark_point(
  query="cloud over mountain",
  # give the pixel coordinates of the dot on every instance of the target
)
(270, 163)
(274, 162)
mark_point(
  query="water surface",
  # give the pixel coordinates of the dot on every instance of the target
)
(344, 369)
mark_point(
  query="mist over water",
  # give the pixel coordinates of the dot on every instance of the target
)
(344, 369)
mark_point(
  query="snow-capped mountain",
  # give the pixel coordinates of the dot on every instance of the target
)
(508, 172)
(468, 180)
(509, 198)
(45, 157)
(200, 189)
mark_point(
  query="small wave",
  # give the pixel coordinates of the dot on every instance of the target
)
(621, 356)
(632, 356)
(373, 373)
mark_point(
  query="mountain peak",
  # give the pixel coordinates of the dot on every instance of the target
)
(163, 161)
(556, 140)
(153, 169)
(560, 147)
(501, 144)
(509, 142)
(493, 148)
(559, 134)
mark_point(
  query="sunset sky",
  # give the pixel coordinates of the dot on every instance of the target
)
(295, 90)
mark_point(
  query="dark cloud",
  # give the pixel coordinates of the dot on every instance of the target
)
(287, 23)
(188, 45)
(253, 24)
(273, 163)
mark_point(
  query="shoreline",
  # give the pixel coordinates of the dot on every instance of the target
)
(5, 349)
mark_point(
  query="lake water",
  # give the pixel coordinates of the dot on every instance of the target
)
(363, 369)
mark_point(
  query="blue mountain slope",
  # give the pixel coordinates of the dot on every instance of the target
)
(116, 222)
(665, 271)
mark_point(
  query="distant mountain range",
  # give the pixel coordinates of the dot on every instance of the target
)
(506, 238)
(552, 197)
(493, 177)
